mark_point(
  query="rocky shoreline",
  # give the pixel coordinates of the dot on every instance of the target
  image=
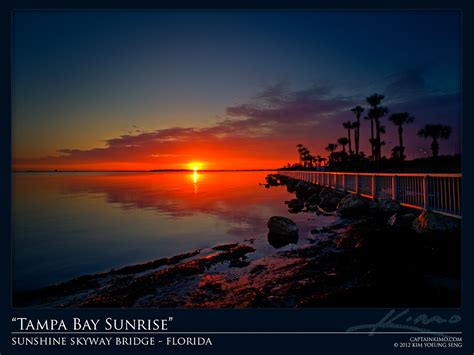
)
(376, 255)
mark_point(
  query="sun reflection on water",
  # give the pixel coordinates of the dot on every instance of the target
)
(195, 180)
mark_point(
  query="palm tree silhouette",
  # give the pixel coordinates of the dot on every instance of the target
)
(377, 112)
(331, 148)
(300, 147)
(348, 125)
(372, 139)
(357, 112)
(399, 119)
(344, 141)
(435, 131)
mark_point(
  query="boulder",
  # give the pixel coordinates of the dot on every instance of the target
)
(430, 222)
(281, 231)
(328, 200)
(302, 189)
(296, 204)
(352, 205)
(272, 180)
(283, 179)
(291, 184)
(388, 206)
(313, 198)
(401, 221)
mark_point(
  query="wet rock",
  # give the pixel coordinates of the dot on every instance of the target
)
(225, 247)
(291, 185)
(282, 231)
(258, 269)
(301, 189)
(272, 180)
(329, 200)
(352, 205)
(430, 222)
(282, 225)
(313, 198)
(401, 221)
(312, 208)
(278, 240)
(388, 206)
(296, 205)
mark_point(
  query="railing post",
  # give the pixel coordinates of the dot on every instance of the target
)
(425, 192)
(374, 187)
(357, 183)
(343, 182)
(394, 187)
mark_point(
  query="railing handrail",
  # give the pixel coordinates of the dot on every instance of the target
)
(438, 192)
(375, 174)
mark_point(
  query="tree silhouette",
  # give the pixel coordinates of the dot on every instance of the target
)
(348, 125)
(376, 112)
(435, 132)
(331, 148)
(344, 141)
(300, 150)
(372, 135)
(357, 112)
(399, 119)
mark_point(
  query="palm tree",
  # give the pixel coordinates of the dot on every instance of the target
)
(344, 141)
(304, 156)
(319, 159)
(435, 131)
(399, 119)
(348, 125)
(300, 147)
(331, 148)
(372, 136)
(357, 112)
(311, 160)
(376, 112)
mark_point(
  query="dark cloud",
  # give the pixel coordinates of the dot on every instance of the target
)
(409, 82)
(279, 105)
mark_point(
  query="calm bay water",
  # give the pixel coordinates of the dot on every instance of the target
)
(70, 224)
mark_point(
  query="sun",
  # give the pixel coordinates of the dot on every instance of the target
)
(195, 165)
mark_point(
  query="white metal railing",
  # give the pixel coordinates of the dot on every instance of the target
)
(437, 192)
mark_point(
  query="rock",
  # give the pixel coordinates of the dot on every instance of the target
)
(283, 179)
(401, 221)
(328, 200)
(352, 205)
(290, 185)
(282, 231)
(272, 180)
(302, 188)
(430, 222)
(296, 204)
(388, 206)
(313, 198)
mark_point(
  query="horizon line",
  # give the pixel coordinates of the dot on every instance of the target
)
(137, 171)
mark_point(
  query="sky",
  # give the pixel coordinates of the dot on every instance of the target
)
(233, 89)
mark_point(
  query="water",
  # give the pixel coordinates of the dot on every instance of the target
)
(70, 224)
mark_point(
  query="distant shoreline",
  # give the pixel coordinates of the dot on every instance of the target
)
(141, 171)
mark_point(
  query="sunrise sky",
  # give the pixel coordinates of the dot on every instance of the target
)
(113, 90)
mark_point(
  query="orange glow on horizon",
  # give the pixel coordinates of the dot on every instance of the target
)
(195, 166)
